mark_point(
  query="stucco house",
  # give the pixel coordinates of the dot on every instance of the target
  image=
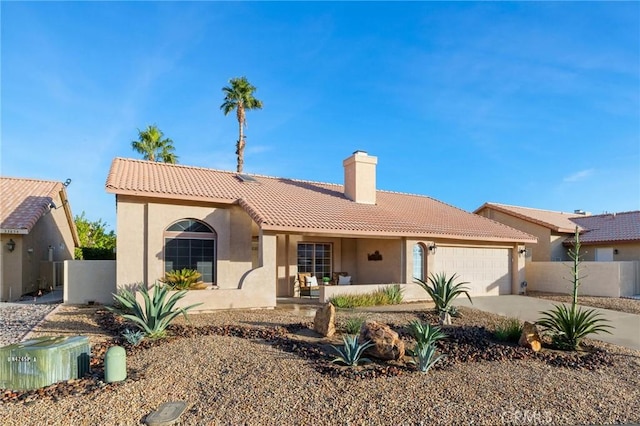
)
(37, 233)
(250, 235)
(604, 237)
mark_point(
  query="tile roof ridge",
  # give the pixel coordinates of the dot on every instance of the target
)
(569, 214)
(31, 179)
(612, 214)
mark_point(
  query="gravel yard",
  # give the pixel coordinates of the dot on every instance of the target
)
(234, 380)
(630, 306)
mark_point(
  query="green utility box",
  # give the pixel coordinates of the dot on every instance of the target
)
(43, 361)
(115, 364)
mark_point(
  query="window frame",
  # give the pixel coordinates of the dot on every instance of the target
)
(211, 235)
(314, 268)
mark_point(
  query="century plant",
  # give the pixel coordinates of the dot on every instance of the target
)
(183, 279)
(239, 96)
(133, 337)
(157, 312)
(443, 291)
(423, 357)
(424, 333)
(569, 325)
(351, 353)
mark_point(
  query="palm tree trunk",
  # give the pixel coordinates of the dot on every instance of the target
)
(241, 143)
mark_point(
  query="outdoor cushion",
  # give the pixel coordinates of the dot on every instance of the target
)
(344, 280)
(311, 281)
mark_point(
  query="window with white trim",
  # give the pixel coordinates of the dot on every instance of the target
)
(191, 244)
(418, 261)
(315, 258)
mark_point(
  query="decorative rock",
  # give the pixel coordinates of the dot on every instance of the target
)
(530, 338)
(386, 342)
(325, 320)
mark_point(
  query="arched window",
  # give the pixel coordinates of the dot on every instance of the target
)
(418, 261)
(191, 244)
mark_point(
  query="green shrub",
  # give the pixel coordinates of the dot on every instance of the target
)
(390, 295)
(183, 279)
(352, 325)
(352, 351)
(424, 333)
(157, 313)
(509, 330)
(569, 325)
(443, 291)
(423, 357)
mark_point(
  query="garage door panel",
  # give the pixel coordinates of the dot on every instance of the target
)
(488, 270)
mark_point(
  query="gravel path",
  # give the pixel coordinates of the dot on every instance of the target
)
(18, 319)
(232, 381)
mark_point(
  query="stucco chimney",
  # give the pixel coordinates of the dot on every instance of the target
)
(360, 177)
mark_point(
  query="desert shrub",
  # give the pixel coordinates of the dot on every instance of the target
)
(157, 312)
(352, 325)
(509, 330)
(351, 352)
(443, 291)
(424, 333)
(394, 294)
(183, 279)
(390, 295)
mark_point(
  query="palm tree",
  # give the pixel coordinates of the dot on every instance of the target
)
(153, 147)
(239, 96)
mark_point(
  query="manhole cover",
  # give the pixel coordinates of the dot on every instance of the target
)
(167, 414)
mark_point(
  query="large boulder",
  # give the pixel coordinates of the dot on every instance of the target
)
(530, 338)
(325, 320)
(387, 344)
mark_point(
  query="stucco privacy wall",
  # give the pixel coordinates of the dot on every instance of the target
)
(626, 251)
(606, 279)
(141, 226)
(89, 280)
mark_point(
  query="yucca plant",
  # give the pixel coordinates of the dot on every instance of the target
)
(182, 279)
(569, 325)
(352, 325)
(443, 291)
(509, 330)
(394, 294)
(424, 333)
(157, 313)
(351, 352)
(423, 357)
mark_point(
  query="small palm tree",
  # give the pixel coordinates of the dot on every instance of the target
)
(443, 291)
(239, 96)
(153, 146)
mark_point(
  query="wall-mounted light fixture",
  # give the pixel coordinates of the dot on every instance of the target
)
(522, 251)
(432, 248)
(11, 245)
(615, 251)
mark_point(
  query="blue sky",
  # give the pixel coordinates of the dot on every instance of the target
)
(533, 104)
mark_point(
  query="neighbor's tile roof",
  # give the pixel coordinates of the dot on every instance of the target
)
(556, 221)
(279, 204)
(24, 201)
(609, 227)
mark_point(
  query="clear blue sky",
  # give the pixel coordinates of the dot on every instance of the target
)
(532, 104)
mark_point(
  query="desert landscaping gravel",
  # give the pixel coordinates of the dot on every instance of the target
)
(236, 381)
(630, 306)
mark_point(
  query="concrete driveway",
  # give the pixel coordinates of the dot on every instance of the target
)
(626, 330)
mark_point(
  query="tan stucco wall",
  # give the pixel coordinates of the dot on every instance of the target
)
(89, 280)
(606, 279)
(21, 269)
(387, 270)
(410, 292)
(540, 251)
(11, 268)
(140, 231)
(626, 251)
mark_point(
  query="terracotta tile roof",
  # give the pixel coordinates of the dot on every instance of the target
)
(24, 201)
(554, 220)
(287, 205)
(610, 227)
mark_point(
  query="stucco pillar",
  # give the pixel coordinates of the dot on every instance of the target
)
(518, 260)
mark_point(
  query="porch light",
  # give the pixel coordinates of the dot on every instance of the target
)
(432, 248)
(11, 245)
(522, 251)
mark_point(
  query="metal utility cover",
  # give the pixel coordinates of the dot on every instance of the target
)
(167, 414)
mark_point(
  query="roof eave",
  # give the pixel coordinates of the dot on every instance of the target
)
(14, 231)
(174, 197)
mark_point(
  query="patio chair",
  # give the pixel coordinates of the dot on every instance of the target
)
(341, 278)
(308, 284)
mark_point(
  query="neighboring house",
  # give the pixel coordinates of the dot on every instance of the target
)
(36, 232)
(251, 235)
(605, 237)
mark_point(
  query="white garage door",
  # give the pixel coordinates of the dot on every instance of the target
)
(488, 270)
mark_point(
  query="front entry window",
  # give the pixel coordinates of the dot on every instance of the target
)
(191, 244)
(315, 258)
(418, 262)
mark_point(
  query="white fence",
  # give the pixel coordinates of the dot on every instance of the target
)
(607, 279)
(89, 281)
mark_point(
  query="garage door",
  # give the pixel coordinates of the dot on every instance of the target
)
(488, 270)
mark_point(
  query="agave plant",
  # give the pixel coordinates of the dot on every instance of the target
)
(568, 325)
(182, 279)
(423, 357)
(351, 353)
(443, 291)
(424, 333)
(157, 313)
(133, 337)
